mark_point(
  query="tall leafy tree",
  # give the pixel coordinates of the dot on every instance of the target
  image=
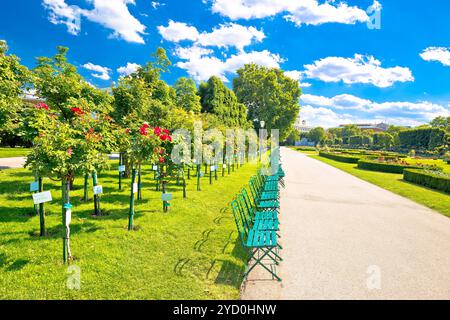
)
(269, 95)
(217, 99)
(14, 78)
(317, 135)
(187, 97)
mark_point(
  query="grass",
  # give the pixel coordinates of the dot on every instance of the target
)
(436, 200)
(13, 152)
(190, 252)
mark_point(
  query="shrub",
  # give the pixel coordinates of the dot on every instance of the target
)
(431, 179)
(306, 148)
(384, 166)
(340, 157)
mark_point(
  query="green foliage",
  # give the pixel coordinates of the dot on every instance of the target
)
(293, 137)
(422, 138)
(62, 149)
(442, 123)
(350, 130)
(340, 157)
(59, 83)
(217, 99)
(187, 97)
(356, 140)
(433, 180)
(14, 78)
(383, 140)
(269, 95)
(317, 135)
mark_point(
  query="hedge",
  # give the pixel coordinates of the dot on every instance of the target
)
(340, 157)
(428, 179)
(384, 167)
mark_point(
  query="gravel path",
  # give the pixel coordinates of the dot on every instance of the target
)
(345, 238)
(12, 163)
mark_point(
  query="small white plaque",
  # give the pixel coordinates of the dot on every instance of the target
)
(135, 187)
(213, 168)
(42, 197)
(224, 166)
(122, 168)
(68, 217)
(155, 168)
(98, 190)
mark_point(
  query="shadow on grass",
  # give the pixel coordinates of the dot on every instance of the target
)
(230, 272)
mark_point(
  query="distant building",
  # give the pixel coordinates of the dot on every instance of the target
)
(301, 126)
(380, 127)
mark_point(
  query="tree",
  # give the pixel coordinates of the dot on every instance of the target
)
(350, 130)
(187, 97)
(383, 140)
(317, 135)
(269, 96)
(441, 122)
(217, 99)
(14, 79)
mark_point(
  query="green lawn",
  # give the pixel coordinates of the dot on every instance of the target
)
(189, 253)
(436, 200)
(13, 152)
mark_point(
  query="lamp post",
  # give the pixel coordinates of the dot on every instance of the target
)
(262, 123)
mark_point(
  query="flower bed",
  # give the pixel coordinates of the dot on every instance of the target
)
(389, 167)
(432, 179)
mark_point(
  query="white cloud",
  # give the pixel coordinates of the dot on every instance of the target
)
(178, 31)
(156, 5)
(128, 69)
(62, 13)
(346, 108)
(359, 69)
(98, 71)
(201, 65)
(111, 14)
(224, 36)
(298, 76)
(440, 54)
(309, 12)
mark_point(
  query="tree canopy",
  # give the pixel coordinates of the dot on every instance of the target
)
(187, 97)
(269, 95)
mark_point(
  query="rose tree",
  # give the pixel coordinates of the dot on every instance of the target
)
(63, 149)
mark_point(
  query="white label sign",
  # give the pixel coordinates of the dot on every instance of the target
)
(166, 197)
(135, 187)
(98, 190)
(224, 166)
(213, 168)
(42, 197)
(34, 186)
(155, 168)
(122, 168)
(68, 217)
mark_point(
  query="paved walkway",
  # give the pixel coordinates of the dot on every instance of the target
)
(344, 238)
(12, 163)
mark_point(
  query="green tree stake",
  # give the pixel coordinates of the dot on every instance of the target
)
(198, 177)
(215, 174)
(206, 168)
(65, 200)
(210, 176)
(229, 167)
(41, 211)
(184, 184)
(189, 173)
(139, 195)
(120, 173)
(223, 170)
(131, 212)
(86, 184)
(97, 210)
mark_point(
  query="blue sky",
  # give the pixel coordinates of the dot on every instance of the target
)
(399, 72)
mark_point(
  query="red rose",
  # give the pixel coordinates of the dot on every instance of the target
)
(143, 131)
(70, 151)
(77, 111)
(162, 160)
(166, 131)
(127, 131)
(157, 131)
(163, 137)
(42, 105)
